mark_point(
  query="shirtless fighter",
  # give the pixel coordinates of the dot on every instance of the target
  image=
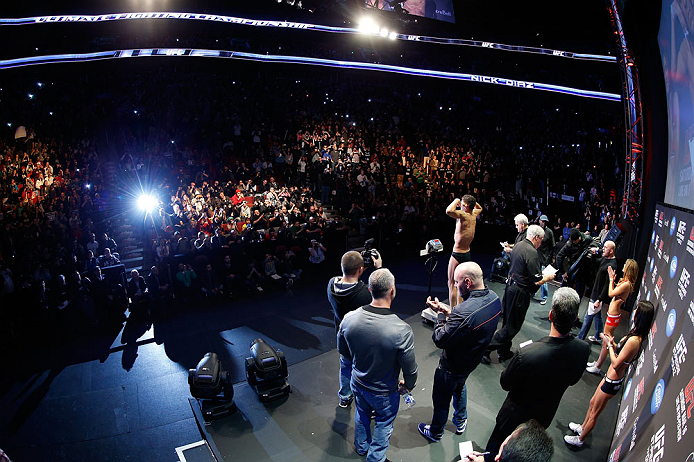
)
(465, 221)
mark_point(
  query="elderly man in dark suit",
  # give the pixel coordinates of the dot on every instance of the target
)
(540, 372)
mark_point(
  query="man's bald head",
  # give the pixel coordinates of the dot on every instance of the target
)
(608, 249)
(468, 276)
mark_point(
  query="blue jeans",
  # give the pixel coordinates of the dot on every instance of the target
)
(345, 376)
(447, 385)
(587, 322)
(544, 288)
(386, 408)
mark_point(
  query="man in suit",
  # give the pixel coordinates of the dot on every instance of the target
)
(539, 373)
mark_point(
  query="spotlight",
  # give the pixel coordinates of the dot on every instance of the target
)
(384, 32)
(39, 84)
(393, 35)
(31, 96)
(88, 186)
(147, 202)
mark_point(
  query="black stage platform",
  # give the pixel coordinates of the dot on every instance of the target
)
(124, 395)
(309, 425)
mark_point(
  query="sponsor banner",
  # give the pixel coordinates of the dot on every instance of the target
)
(658, 399)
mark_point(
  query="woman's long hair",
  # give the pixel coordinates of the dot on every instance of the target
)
(643, 320)
(631, 273)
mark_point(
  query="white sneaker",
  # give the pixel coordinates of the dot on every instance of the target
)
(593, 369)
(591, 363)
(573, 440)
(592, 339)
(576, 428)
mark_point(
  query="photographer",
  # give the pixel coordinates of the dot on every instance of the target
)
(345, 294)
(316, 253)
(574, 260)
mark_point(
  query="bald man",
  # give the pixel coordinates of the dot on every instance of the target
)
(463, 333)
(599, 296)
(465, 222)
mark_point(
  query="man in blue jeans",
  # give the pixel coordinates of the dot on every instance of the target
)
(545, 251)
(463, 333)
(345, 294)
(379, 345)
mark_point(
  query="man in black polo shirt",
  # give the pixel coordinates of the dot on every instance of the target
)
(525, 277)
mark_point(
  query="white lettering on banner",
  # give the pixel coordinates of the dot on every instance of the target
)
(660, 220)
(622, 421)
(564, 197)
(690, 311)
(638, 392)
(655, 361)
(655, 219)
(683, 408)
(412, 37)
(660, 249)
(681, 228)
(558, 53)
(633, 433)
(654, 275)
(690, 242)
(656, 450)
(657, 240)
(154, 15)
(683, 283)
(666, 258)
(487, 44)
(679, 353)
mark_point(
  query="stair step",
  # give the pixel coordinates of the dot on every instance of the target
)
(126, 261)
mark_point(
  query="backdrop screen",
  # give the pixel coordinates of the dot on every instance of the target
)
(658, 395)
(434, 9)
(677, 53)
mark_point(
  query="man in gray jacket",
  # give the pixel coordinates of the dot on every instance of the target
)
(379, 345)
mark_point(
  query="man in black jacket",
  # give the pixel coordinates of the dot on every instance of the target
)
(540, 372)
(345, 294)
(463, 333)
(576, 248)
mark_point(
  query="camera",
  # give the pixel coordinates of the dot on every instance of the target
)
(369, 254)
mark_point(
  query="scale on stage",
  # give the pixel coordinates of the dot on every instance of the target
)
(431, 251)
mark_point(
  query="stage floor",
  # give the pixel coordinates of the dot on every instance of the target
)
(309, 425)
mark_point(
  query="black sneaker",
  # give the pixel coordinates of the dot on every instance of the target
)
(504, 355)
(345, 402)
(425, 430)
(486, 359)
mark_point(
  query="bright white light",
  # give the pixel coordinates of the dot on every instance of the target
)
(365, 25)
(135, 112)
(50, 113)
(347, 116)
(39, 84)
(88, 186)
(31, 96)
(393, 35)
(9, 124)
(146, 202)
(384, 32)
(172, 141)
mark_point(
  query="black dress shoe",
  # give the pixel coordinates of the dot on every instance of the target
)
(486, 359)
(503, 356)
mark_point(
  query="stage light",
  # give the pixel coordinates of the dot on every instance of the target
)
(50, 113)
(135, 111)
(146, 202)
(9, 124)
(88, 186)
(31, 96)
(393, 36)
(384, 32)
(39, 84)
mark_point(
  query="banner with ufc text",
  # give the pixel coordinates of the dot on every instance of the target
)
(658, 398)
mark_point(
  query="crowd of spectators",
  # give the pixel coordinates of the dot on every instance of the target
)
(274, 172)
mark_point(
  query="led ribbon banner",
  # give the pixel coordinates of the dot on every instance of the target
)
(294, 25)
(61, 58)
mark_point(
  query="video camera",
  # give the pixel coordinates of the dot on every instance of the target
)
(369, 254)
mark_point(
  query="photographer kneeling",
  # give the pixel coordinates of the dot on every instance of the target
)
(345, 294)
